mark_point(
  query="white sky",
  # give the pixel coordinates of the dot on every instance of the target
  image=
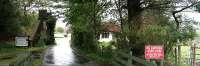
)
(60, 23)
(195, 16)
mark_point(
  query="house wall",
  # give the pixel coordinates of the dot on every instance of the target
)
(110, 38)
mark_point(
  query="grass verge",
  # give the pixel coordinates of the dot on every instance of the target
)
(11, 56)
(104, 56)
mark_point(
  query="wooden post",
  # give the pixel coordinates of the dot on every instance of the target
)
(130, 60)
(179, 54)
(193, 55)
(161, 63)
(178, 48)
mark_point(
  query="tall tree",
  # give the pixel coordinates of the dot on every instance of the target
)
(9, 21)
(136, 8)
(135, 19)
(85, 17)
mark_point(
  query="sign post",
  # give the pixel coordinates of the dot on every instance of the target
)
(154, 52)
(21, 40)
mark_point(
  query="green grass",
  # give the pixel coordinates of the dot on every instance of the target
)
(32, 49)
(10, 61)
(13, 58)
(104, 44)
(102, 56)
(37, 62)
(10, 57)
(8, 52)
(198, 52)
(185, 51)
(184, 65)
(107, 45)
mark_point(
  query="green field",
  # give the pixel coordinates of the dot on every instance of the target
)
(185, 54)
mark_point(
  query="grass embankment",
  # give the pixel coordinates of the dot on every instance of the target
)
(11, 57)
(38, 61)
(8, 53)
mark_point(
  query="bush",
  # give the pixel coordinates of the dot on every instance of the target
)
(104, 55)
(7, 46)
(9, 19)
(59, 30)
(41, 41)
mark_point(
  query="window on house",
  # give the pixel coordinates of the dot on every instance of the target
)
(105, 35)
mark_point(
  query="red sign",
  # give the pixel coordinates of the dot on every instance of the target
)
(154, 52)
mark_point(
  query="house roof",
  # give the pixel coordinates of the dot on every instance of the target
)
(110, 27)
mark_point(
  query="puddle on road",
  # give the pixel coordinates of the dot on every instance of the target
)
(63, 54)
(60, 54)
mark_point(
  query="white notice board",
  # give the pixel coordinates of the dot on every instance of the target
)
(21, 41)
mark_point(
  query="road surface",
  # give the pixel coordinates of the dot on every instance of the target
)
(62, 55)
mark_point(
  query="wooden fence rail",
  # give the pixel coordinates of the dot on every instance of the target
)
(126, 59)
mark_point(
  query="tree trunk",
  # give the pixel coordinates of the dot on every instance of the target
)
(134, 20)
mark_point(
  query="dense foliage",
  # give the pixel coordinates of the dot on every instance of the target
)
(9, 19)
(51, 23)
(198, 7)
(85, 20)
(13, 20)
(149, 22)
(28, 23)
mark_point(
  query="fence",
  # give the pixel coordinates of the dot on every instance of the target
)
(126, 59)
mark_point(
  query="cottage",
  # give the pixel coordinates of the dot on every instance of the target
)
(107, 31)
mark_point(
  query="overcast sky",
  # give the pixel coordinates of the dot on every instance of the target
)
(194, 16)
